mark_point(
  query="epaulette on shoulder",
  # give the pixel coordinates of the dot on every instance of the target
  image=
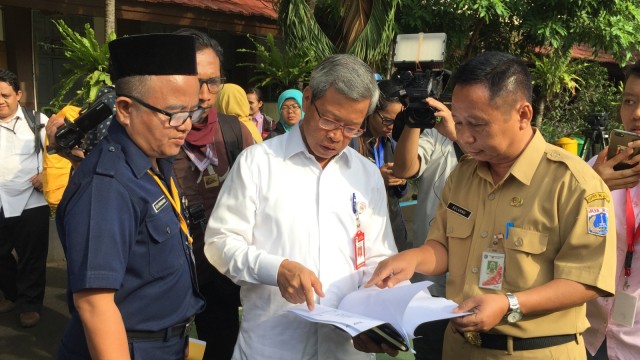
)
(109, 158)
(578, 167)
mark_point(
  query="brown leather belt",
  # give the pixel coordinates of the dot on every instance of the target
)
(499, 342)
(177, 330)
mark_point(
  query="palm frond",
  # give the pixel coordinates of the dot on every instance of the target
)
(372, 45)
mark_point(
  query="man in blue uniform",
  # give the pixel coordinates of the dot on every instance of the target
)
(132, 289)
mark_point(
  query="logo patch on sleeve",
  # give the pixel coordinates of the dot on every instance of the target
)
(597, 196)
(598, 221)
(160, 203)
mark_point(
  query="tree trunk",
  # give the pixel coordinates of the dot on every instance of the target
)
(110, 17)
(539, 113)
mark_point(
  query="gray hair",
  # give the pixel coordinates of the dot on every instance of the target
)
(349, 75)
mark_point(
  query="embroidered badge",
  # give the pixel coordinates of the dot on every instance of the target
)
(160, 203)
(598, 221)
(459, 210)
(516, 201)
(597, 196)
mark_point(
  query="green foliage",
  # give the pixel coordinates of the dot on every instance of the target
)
(372, 45)
(566, 112)
(87, 61)
(275, 67)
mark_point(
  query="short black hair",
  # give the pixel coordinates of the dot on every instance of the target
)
(255, 90)
(10, 78)
(501, 73)
(203, 41)
(390, 92)
(632, 70)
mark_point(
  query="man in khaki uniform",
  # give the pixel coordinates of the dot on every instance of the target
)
(523, 227)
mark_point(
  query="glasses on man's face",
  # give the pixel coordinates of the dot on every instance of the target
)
(175, 118)
(214, 84)
(329, 124)
(385, 120)
(294, 108)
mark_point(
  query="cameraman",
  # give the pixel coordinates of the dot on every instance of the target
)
(427, 155)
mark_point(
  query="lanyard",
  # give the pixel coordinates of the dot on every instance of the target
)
(175, 202)
(378, 153)
(632, 237)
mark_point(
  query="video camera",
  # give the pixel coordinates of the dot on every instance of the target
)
(71, 134)
(597, 120)
(419, 60)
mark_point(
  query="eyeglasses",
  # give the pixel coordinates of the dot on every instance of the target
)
(385, 120)
(175, 118)
(214, 84)
(294, 108)
(329, 124)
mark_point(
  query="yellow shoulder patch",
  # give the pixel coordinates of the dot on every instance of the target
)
(597, 196)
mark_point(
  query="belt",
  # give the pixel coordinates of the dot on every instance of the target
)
(499, 342)
(181, 330)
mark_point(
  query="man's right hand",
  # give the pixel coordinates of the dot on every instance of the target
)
(298, 284)
(395, 269)
(55, 122)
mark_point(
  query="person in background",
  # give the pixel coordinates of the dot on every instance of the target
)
(428, 155)
(263, 122)
(612, 336)
(232, 100)
(24, 213)
(290, 106)
(554, 252)
(378, 146)
(200, 168)
(288, 245)
(132, 289)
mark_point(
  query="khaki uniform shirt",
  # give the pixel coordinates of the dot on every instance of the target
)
(551, 197)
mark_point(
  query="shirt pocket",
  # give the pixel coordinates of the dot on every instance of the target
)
(165, 245)
(459, 231)
(22, 143)
(526, 264)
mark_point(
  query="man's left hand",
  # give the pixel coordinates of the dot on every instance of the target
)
(488, 310)
(364, 343)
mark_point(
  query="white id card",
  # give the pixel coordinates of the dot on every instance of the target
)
(492, 270)
(624, 308)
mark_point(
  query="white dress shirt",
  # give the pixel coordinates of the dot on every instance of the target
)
(18, 163)
(277, 204)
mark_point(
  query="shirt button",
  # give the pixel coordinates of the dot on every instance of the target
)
(484, 234)
(112, 149)
(168, 230)
(518, 242)
(492, 196)
(474, 269)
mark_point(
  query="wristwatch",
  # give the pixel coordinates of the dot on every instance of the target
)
(514, 314)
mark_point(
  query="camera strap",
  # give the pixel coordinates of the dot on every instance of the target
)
(174, 199)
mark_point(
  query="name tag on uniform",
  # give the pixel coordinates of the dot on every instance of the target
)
(459, 210)
(624, 308)
(160, 203)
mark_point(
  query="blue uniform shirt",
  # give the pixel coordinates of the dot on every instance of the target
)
(119, 231)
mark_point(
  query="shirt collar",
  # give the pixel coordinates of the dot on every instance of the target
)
(294, 144)
(527, 163)
(138, 161)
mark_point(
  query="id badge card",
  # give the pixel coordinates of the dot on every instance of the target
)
(624, 308)
(491, 270)
(358, 249)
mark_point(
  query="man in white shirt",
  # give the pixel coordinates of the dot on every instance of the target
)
(295, 213)
(24, 214)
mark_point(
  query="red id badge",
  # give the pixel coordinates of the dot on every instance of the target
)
(358, 249)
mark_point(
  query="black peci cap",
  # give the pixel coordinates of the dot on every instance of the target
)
(152, 54)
